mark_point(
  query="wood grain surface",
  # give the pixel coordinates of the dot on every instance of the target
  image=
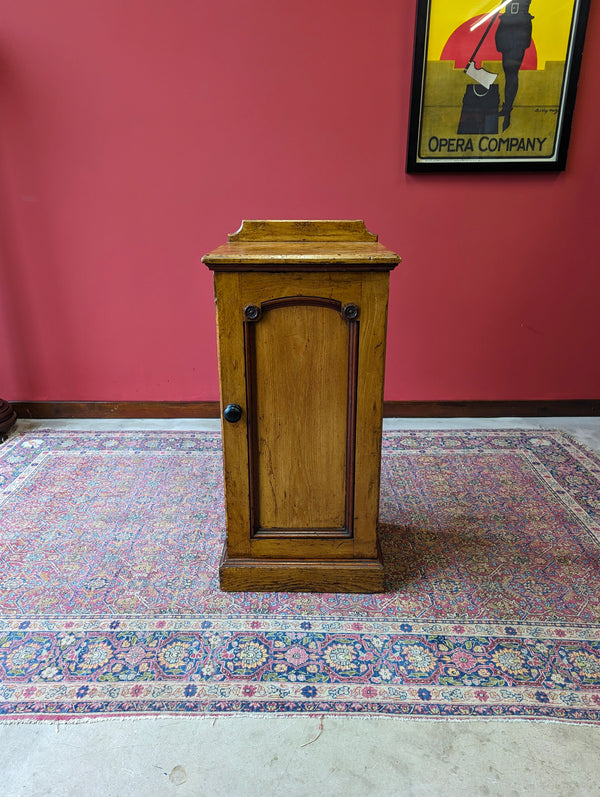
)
(299, 230)
(301, 372)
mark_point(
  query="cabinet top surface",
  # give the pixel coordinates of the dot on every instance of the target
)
(301, 244)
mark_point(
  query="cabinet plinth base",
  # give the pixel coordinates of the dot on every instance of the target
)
(320, 575)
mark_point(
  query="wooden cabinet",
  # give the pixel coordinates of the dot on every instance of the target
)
(301, 319)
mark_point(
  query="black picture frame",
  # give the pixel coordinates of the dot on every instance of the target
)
(465, 114)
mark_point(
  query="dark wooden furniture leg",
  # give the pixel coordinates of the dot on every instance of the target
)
(8, 418)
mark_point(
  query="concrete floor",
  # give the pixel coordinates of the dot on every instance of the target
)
(295, 757)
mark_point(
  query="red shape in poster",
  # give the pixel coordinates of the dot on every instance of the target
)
(462, 43)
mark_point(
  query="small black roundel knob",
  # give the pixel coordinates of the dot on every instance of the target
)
(232, 413)
(350, 312)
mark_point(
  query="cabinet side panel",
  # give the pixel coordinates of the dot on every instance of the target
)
(301, 377)
(370, 411)
(232, 379)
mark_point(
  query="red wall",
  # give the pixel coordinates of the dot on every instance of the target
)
(134, 134)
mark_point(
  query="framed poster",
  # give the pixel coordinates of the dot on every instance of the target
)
(494, 84)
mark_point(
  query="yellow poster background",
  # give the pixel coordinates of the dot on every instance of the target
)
(533, 121)
(551, 25)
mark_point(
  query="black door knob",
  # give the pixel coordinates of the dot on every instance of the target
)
(232, 413)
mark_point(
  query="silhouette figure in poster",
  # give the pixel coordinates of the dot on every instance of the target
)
(513, 37)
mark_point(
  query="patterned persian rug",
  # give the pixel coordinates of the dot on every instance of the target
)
(110, 606)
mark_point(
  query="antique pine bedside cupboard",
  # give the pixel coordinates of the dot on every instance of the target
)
(301, 325)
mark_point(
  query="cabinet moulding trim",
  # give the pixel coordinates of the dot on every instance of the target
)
(253, 321)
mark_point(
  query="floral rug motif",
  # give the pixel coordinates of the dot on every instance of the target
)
(110, 604)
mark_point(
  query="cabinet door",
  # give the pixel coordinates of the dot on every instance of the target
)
(291, 347)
